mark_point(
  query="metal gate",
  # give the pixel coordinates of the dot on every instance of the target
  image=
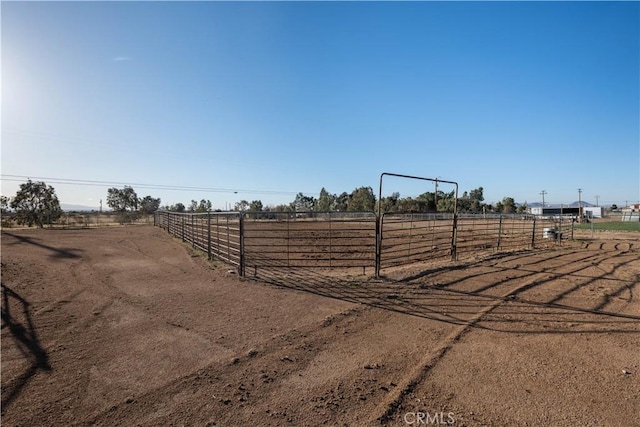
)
(309, 240)
(408, 238)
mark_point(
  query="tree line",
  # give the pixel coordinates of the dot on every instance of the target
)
(36, 203)
(363, 199)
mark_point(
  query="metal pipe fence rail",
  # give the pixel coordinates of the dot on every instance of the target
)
(309, 240)
(494, 233)
(217, 234)
(356, 240)
(409, 238)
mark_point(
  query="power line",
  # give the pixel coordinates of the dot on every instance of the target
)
(20, 178)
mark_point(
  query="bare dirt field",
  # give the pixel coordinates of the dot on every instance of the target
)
(129, 326)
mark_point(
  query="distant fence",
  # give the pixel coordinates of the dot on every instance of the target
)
(252, 241)
(86, 220)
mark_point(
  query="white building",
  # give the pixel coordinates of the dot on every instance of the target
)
(593, 211)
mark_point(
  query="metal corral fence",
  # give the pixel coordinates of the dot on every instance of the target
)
(494, 233)
(310, 240)
(217, 234)
(409, 238)
(265, 240)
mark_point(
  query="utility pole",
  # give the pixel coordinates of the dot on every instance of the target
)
(580, 203)
(435, 196)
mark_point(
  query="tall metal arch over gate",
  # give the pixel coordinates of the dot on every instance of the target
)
(407, 238)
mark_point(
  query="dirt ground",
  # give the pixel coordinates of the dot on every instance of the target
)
(129, 326)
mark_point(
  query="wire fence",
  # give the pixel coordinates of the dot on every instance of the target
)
(254, 241)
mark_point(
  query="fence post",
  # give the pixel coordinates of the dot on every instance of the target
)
(288, 237)
(410, 235)
(330, 249)
(499, 231)
(209, 236)
(193, 232)
(454, 238)
(241, 266)
(559, 235)
(533, 234)
(228, 240)
(378, 244)
(218, 235)
(183, 228)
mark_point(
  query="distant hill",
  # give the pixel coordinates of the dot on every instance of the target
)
(79, 208)
(577, 204)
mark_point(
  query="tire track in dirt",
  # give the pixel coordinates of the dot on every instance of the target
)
(233, 385)
(387, 410)
(548, 273)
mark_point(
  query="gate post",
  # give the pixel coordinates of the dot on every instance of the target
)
(378, 244)
(209, 235)
(499, 231)
(533, 234)
(454, 237)
(242, 260)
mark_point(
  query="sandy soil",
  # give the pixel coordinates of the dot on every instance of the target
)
(128, 326)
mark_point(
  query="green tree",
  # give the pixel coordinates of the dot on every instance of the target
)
(256, 206)
(522, 208)
(446, 201)
(464, 203)
(36, 203)
(326, 201)
(408, 204)
(123, 201)
(508, 205)
(362, 199)
(178, 207)
(5, 206)
(476, 198)
(342, 202)
(203, 206)
(426, 202)
(149, 205)
(5, 203)
(241, 206)
(281, 208)
(389, 203)
(303, 203)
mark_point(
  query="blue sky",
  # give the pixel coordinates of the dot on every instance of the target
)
(271, 99)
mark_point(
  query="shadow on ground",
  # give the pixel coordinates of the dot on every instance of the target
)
(427, 295)
(16, 316)
(56, 253)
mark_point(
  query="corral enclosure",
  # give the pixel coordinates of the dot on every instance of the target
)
(357, 241)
